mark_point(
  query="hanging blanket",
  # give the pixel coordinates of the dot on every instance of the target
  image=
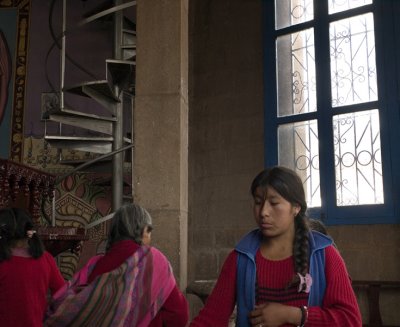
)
(130, 295)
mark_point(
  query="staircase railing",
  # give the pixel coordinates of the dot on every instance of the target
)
(93, 161)
(59, 179)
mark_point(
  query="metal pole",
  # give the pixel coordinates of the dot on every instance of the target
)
(62, 74)
(53, 210)
(118, 159)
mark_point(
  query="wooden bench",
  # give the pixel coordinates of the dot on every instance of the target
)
(373, 289)
(202, 288)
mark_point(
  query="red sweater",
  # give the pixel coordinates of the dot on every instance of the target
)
(339, 306)
(24, 284)
(174, 312)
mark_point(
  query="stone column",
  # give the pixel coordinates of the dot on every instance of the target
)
(160, 171)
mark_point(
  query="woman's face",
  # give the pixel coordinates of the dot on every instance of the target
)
(273, 213)
(146, 236)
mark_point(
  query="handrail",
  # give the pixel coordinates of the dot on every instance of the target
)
(90, 162)
(84, 165)
(100, 221)
(107, 12)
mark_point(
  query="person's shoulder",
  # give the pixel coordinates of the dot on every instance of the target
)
(331, 252)
(47, 259)
(335, 266)
(333, 258)
(155, 252)
(249, 242)
(152, 249)
(47, 255)
(318, 240)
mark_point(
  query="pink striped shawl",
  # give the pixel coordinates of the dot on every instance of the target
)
(130, 295)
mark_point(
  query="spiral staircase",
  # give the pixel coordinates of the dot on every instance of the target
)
(103, 136)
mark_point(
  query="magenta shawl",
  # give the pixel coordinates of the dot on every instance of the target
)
(130, 295)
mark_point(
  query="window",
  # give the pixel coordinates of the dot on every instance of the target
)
(331, 104)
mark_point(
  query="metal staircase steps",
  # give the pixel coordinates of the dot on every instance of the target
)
(102, 88)
(128, 45)
(121, 72)
(91, 122)
(108, 141)
(128, 52)
(82, 143)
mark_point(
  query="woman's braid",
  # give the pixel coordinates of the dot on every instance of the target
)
(300, 248)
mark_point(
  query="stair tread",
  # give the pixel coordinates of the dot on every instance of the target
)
(78, 162)
(129, 25)
(121, 72)
(85, 138)
(78, 138)
(121, 62)
(69, 112)
(129, 31)
(128, 46)
(100, 145)
(101, 86)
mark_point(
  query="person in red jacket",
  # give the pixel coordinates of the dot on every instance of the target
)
(283, 273)
(27, 271)
(131, 285)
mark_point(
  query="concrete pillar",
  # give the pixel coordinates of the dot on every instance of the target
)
(160, 172)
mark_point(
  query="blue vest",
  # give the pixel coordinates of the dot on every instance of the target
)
(246, 272)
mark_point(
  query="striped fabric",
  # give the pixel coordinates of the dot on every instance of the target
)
(130, 295)
(272, 282)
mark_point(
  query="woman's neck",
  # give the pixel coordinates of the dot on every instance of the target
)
(277, 248)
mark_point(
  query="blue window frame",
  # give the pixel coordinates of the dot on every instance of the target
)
(332, 90)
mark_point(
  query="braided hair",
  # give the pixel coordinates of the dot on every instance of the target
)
(16, 224)
(289, 185)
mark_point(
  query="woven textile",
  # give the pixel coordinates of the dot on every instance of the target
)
(130, 295)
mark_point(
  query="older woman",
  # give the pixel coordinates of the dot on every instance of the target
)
(131, 285)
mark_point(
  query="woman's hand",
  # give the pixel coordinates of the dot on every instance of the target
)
(272, 314)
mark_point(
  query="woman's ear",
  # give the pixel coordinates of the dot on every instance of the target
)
(296, 209)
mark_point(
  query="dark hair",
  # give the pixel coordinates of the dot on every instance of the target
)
(317, 225)
(128, 223)
(14, 225)
(289, 185)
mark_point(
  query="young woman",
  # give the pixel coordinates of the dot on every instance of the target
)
(282, 273)
(27, 272)
(131, 285)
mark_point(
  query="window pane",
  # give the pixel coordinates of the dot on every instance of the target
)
(353, 68)
(343, 5)
(296, 73)
(358, 158)
(292, 12)
(298, 150)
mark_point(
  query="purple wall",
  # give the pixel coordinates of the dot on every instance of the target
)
(89, 45)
